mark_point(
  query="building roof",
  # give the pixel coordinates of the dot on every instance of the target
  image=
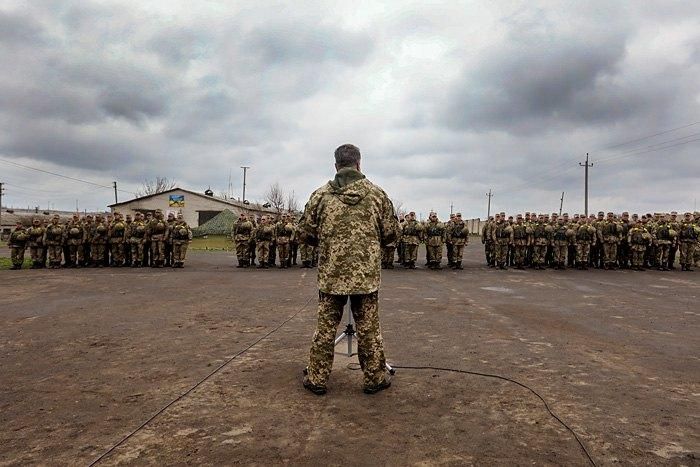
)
(230, 202)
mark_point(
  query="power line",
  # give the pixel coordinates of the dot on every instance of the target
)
(652, 148)
(88, 182)
(625, 143)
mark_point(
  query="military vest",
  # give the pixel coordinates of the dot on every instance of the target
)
(583, 234)
(663, 233)
(435, 230)
(501, 230)
(560, 233)
(458, 231)
(519, 232)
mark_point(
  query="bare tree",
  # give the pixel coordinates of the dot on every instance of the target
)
(275, 196)
(152, 187)
(399, 210)
(292, 202)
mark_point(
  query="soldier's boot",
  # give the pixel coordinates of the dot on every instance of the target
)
(389, 266)
(458, 265)
(437, 266)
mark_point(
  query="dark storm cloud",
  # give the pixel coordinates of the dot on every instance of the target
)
(19, 29)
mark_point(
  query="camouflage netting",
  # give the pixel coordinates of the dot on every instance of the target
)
(221, 224)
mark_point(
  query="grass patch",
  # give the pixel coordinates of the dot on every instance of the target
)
(6, 263)
(212, 242)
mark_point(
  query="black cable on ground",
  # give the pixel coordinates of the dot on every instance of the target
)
(199, 383)
(487, 375)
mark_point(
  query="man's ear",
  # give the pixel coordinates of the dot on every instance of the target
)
(336, 167)
(358, 166)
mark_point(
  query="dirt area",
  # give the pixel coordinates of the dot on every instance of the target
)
(88, 355)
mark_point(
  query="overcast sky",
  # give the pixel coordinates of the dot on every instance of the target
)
(445, 101)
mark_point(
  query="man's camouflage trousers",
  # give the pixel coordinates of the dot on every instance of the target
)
(370, 346)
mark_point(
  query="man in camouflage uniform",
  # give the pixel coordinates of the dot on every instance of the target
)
(181, 236)
(88, 224)
(36, 243)
(687, 238)
(284, 232)
(18, 244)
(434, 237)
(458, 234)
(541, 238)
(98, 242)
(242, 233)
(388, 254)
(264, 234)
(585, 239)
(675, 225)
(53, 240)
(168, 243)
(663, 237)
(487, 241)
(502, 238)
(521, 240)
(611, 232)
(623, 251)
(117, 237)
(410, 236)
(597, 249)
(75, 238)
(561, 238)
(638, 239)
(696, 255)
(350, 219)
(157, 233)
(136, 237)
(448, 240)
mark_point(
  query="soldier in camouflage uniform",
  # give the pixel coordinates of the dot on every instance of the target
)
(242, 233)
(388, 254)
(127, 243)
(117, 237)
(561, 238)
(585, 239)
(181, 235)
(521, 240)
(284, 232)
(696, 255)
(410, 236)
(502, 238)
(168, 243)
(75, 238)
(36, 243)
(487, 241)
(675, 226)
(136, 237)
(638, 239)
(458, 234)
(663, 237)
(448, 240)
(264, 235)
(53, 240)
(350, 219)
(434, 237)
(623, 251)
(687, 238)
(98, 242)
(541, 238)
(157, 233)
(18, 244)
(611, 232)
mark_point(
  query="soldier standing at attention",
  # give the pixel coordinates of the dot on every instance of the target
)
(350, 219)
(36, 243)
(157, 233)
(560, 243)
(53, 239)
(502, 238)
(181, 235)
(264, 235)
(521, 240)
(585, 239)
(136, 236)
(284, 231)
(611, 232)
(410, 236)
(168, 242)
(127, 244)
(687, 237)
(76, 237)
(242, 233)
(17, 244)
(487, 241)
(675, 226)
(663, 237)
(98, 242)
(434, 239)
(541, 237)
(638, 239)
(459, 236)
(117, 236)
(448, 240)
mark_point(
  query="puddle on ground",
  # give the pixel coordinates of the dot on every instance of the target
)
(498, 289)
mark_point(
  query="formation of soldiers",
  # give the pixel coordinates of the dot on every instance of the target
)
(103, 241)
(607, 241)
(270, 240)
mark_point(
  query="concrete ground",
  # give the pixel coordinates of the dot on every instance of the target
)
(88, 355)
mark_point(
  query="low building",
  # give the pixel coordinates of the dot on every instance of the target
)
(196, 208)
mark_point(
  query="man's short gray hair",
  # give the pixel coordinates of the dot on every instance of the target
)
(347, 155)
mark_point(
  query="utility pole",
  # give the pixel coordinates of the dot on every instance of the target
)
(1, 192)
(586, 165)
(245, 171)
(116, 199)
(451, 208)
(561, 204)
(488, 209)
